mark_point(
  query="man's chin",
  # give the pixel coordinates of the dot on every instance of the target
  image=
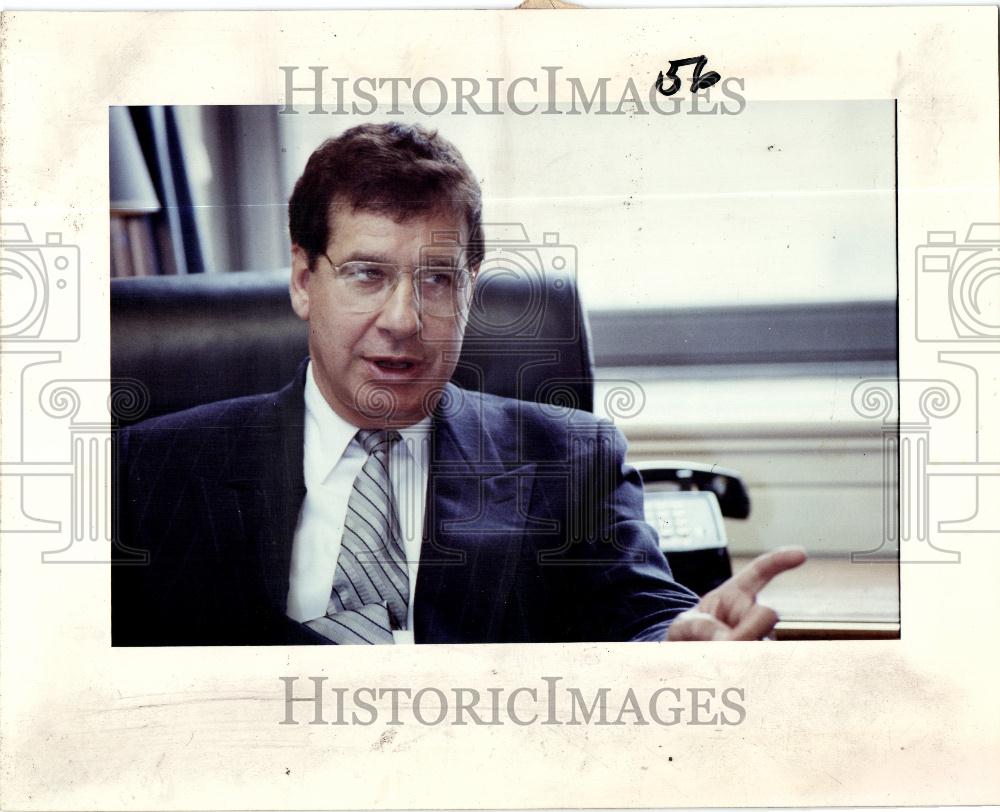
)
(388, 403)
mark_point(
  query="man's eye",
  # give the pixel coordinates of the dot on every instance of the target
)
(438, 279)
(365, 273)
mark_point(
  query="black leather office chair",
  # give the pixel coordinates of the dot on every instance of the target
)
(180, 341)
(195, 339)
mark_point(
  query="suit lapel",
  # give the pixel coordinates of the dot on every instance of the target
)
(265, 478)
(473, 526)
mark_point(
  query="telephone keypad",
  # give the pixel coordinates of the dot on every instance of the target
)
(685, 520)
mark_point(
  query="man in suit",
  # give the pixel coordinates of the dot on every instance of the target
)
(370, 500)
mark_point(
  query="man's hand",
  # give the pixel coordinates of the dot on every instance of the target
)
(731, 611)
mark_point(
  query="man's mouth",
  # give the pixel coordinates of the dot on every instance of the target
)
(394, 365)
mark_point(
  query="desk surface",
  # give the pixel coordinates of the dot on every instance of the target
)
(829, 598)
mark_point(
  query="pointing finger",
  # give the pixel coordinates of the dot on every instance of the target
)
(759, 572)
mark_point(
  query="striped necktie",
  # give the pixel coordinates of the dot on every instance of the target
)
(371, 586)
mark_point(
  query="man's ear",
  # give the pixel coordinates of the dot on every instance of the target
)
(298, 282)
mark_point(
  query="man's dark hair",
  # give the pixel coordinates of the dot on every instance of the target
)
(397, 170)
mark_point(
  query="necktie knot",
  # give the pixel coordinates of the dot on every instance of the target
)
(373, 440)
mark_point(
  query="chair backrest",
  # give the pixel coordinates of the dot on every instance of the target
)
(199, 338)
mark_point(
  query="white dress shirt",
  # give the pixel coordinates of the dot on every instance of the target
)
(331, 462)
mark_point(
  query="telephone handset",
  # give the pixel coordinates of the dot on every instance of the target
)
(685, 502)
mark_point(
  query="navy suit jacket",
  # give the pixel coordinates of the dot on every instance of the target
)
(533, 527)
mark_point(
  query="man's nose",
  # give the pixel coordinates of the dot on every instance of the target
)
(400, 315)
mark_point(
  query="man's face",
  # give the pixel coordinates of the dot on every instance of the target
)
(387, 366)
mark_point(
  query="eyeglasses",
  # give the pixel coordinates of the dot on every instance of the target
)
(439, 290)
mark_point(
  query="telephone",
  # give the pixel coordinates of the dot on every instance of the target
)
(685, 502)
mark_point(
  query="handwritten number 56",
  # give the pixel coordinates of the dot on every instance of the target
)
(699, 81)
